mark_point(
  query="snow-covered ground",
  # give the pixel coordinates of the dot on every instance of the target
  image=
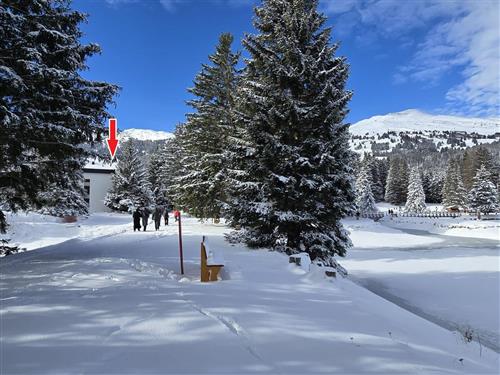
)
(32, 231)
(454, 281)
(117, 304)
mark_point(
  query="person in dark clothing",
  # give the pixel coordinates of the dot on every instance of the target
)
(145, 218)
(157, 215)
(137, 219)
(165, 215)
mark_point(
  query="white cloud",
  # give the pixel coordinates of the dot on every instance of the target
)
(119, 2)
(172, 5)
(463, 35)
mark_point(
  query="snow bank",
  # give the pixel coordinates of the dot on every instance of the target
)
(32, 231)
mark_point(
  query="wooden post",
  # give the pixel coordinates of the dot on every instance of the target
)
(180, 245)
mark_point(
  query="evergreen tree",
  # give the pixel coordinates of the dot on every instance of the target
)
(432, 182)
(390, 187)
(64, 201)
(172, 168)
(468, 168)
(403, 181)
(131, 187)
(379, 177)
(204, 137)
(397, 181)
(47, 109)
(158, 184)
(293, 182)
(473, 159)
(486, 159)
(454, 193)
(365, 201)
(416, 197)
(483, 196)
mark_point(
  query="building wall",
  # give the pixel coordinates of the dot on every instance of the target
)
(98, 185)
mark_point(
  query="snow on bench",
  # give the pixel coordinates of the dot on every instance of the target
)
(211, 263)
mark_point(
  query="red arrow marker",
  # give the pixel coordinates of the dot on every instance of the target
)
(112, 141)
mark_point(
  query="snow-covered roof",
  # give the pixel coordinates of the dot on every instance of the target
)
(100, 165)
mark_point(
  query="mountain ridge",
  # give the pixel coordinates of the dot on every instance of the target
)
(415, 120)
(144, 134)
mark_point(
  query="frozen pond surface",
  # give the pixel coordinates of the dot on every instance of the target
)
(451, 281)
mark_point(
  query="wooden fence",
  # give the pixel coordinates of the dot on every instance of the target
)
(431, 214)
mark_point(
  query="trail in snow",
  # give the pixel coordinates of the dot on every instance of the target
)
(237, 330)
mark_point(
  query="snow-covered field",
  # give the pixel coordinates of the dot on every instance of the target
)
(109, 301)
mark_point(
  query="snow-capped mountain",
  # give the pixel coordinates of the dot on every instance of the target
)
(413, 128)
(144, 135)
(413, 120)
(410, 129)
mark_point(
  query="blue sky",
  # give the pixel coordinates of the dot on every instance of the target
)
(440, 56)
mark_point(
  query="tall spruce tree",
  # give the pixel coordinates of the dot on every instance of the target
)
(390, 187)
(454, 193)
(432, 182)
(47, 109)
(293, 182)
(172, 168)
(365, 200)
(204, 136)
(379, 177)
(485, 158)
(468, 168)
(403, 179)
(483, 197)
(397, 181)
(415, 201)
(159, 187)
(131, 187)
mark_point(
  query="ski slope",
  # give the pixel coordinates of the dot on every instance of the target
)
(117, 304)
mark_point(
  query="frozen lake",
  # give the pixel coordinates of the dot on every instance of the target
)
(451, 281)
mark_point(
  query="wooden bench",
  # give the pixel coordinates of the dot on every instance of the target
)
(210, 267)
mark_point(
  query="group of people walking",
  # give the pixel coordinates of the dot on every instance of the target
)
(141, 214)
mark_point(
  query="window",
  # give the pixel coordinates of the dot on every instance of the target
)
(86, 187)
